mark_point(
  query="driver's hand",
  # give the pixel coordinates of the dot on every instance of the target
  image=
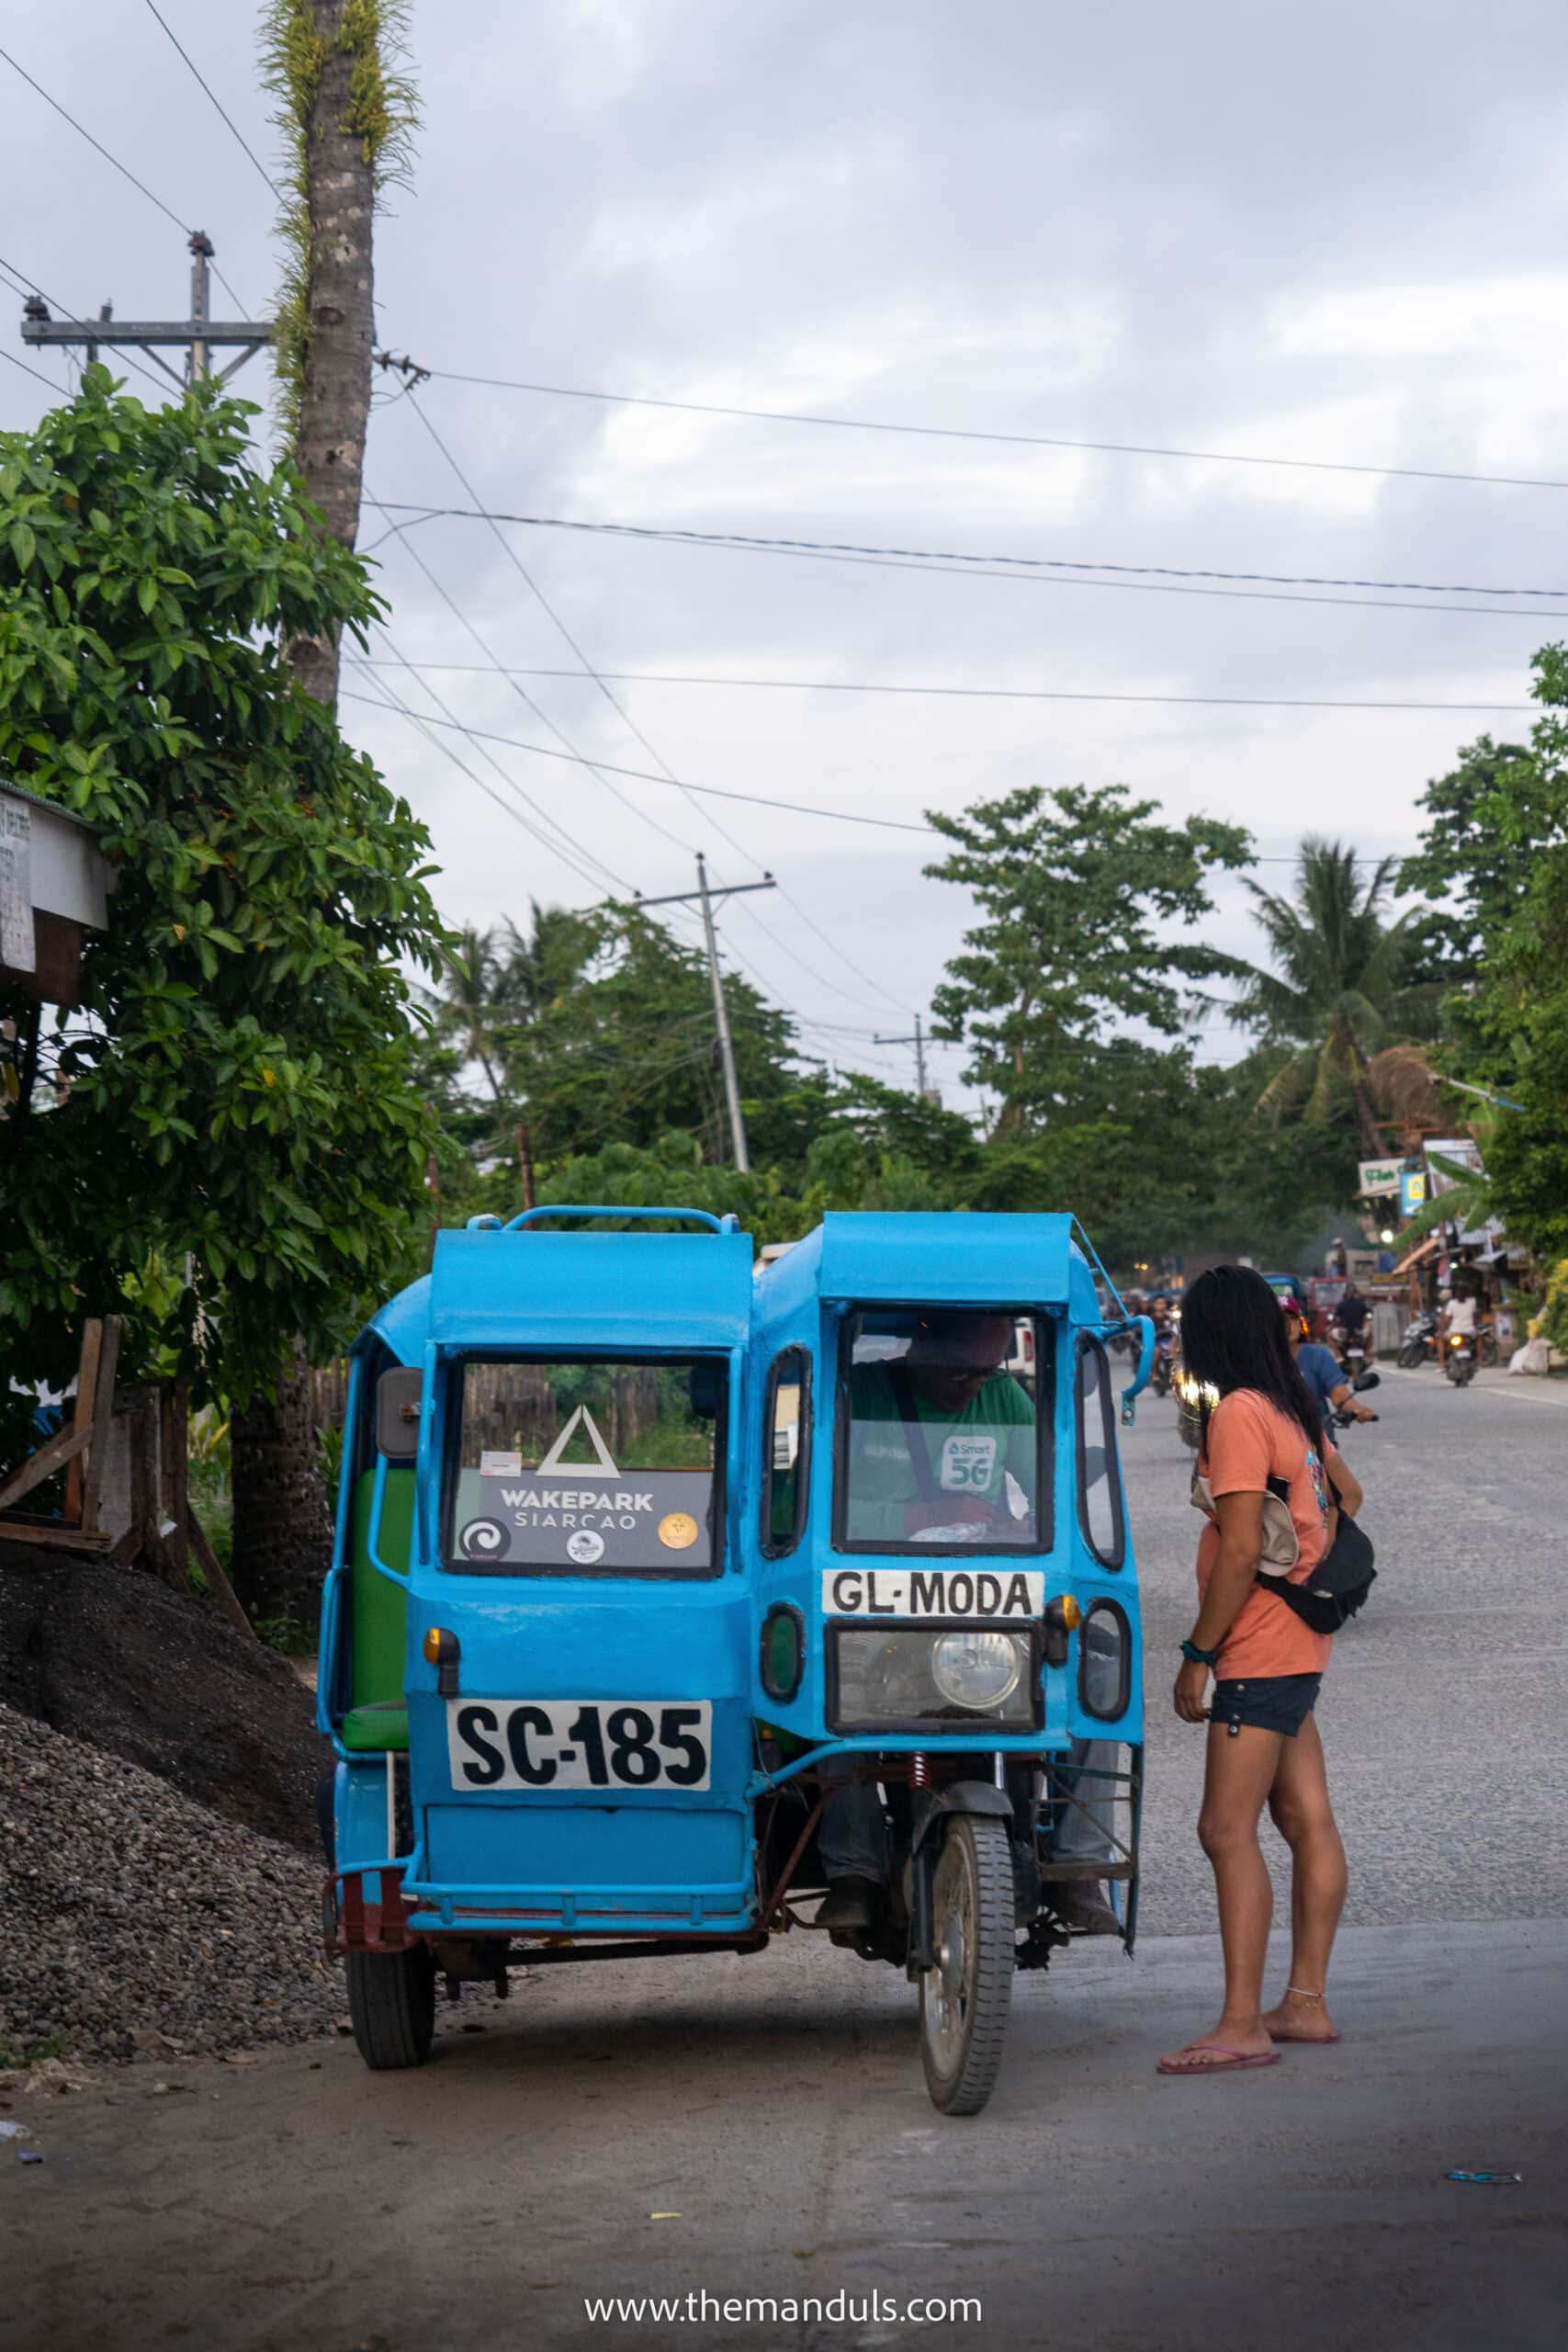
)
(1363, 1414)
(1191, 1689)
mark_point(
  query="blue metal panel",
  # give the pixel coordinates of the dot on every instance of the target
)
(664, 1292)
(539, 1844)
(404, 1322)
(360, 1811)
(945, 1259)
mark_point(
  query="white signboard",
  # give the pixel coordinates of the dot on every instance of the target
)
(1378, 1177)
(17, 947)
(1017, 1594)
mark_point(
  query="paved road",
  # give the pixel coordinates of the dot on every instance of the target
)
(759, 2128)
(1443, 1709)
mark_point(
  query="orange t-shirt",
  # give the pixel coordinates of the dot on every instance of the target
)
(1250, 1442)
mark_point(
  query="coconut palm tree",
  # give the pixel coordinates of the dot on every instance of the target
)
(1337, 995)
(469, 1000)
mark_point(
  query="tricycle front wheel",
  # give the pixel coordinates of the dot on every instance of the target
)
(392, 2000)
(964, 1999)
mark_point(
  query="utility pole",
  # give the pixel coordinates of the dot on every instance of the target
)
(199, 335)
(919, 1043)
(705, 897)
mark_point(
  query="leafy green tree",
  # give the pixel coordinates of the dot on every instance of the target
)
(237, 1093)
(1520, 1000)
(1466, 863)
(1339, 991)
(1072, 887)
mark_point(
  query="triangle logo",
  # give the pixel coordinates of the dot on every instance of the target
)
(602, 1468)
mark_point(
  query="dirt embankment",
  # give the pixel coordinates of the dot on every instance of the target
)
(113, 1657)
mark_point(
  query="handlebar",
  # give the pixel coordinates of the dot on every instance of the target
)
(373, 1532)
(702, 1217)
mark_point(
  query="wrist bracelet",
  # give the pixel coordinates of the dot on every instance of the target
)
(1195, 1657)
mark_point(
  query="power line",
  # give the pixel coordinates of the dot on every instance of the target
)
(993, 693)
(527, 700)
(643, 775)
(122, 169)
(1038, 571)
(625, 716)
(1023, 440)
(217, 101)
(533, 586)
(580, 862)
(33, 287)
(506, 807)
(47, 381)
(718, 791)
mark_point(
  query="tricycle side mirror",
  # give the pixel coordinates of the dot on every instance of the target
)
(397, 1395)
(1366, 1380)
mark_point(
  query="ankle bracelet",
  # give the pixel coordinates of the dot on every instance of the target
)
(1303, 1995)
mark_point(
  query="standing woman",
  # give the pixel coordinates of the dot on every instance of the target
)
(1263, 1741)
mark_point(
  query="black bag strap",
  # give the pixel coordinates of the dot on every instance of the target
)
(903, 1389)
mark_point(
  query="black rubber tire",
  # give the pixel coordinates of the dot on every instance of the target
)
(961, 2052)
(391, 1999)
(1410, 1359)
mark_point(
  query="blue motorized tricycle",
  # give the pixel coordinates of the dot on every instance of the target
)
(677, 1606)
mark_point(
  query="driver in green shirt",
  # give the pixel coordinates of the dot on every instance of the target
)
(943, 1441)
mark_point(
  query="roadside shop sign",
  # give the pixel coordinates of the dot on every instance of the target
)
(1378, 1177)
(1412, 1191)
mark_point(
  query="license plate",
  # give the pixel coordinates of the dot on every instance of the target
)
(579, 1742)
(1014, 1594)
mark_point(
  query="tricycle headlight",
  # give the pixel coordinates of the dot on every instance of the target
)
(909, 1677)
(978, 1670)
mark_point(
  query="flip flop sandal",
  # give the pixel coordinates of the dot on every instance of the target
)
(1226, 2062)
(1306, 2040)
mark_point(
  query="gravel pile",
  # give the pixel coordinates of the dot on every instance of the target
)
(133, 1919)
(111, 1655)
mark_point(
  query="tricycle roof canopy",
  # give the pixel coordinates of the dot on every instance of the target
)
(944, 1258)
(506, 1288)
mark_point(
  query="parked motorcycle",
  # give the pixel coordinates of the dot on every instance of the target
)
(1420, 1340)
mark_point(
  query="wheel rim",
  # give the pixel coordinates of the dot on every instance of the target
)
(949, 1989)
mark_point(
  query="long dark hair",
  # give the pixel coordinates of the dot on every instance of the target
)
(1232, 1336)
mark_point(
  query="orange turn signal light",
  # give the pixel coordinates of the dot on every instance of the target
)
(1072, 1615)
(434, 1642)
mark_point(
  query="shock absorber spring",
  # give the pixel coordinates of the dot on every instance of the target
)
(920, 1772)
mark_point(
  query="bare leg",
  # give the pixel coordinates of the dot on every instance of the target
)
(1240, 1771)
(1304, 1817)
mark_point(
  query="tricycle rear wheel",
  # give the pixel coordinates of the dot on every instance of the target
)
(964, 1999)
(391, 1999)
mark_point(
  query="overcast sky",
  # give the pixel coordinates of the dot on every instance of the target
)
(1335, 233)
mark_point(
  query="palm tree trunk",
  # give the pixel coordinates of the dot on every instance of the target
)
(334, 395)
(282, 1531)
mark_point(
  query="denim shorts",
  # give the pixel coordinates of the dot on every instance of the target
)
(1270, 1702)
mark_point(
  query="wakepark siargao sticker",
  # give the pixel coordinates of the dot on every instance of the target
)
(586, 1513)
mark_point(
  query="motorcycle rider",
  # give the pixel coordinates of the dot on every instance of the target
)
(1321, 1370)
(1351, 1318)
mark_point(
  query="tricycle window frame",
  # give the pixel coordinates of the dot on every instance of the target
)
(519, 1571)
(1116, 1558)
(1102, 1605)
(1045, 1430)
(779, 1547)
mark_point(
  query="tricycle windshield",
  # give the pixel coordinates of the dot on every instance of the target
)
(586, 1466)
(943, 1441)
